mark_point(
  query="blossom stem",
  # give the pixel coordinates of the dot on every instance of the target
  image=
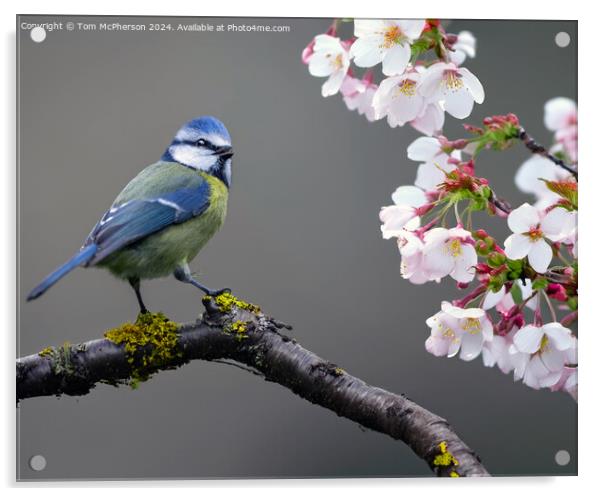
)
(550, 306)
(569, 319)
(458, 217)
(538, 149)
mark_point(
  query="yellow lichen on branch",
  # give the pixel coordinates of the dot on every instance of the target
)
(150, 343)
(446, 459)
(226, 301)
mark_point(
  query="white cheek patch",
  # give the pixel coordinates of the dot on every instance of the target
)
(192, 156)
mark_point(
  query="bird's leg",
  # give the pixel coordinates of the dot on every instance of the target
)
(182, 273)
(135, 283)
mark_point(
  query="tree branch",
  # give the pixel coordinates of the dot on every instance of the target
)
(238, 332)
(538, 149)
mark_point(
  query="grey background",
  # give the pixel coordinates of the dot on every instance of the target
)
(301, 238)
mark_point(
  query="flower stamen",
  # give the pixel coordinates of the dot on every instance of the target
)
(407, 87)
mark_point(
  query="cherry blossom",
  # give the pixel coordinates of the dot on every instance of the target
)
(329, 59)
(530, 228)
(398, 98)
(530, 175)
(456, 87)
(456, 329)
(358, 95)
(503, 301)
(450, 252)
(431, 120)
(386, 41)
(545, 352)
(411, 249)
(404, 213)
(465, 45)
(429, 150)
(560, 116)
(499, 351)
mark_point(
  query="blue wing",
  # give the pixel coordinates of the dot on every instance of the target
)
(136, 219)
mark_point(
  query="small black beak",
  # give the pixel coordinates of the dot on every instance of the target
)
(224, 151)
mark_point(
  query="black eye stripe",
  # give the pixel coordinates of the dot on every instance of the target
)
(201, 142)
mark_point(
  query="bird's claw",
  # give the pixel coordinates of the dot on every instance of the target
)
(217, 292)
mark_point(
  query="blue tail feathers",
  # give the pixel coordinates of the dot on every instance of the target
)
(83, 256)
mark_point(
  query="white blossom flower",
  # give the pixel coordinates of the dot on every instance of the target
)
(431, 173)
(559, 113)
(398, 98)
(450, 252)
(530, 227)
(386, 41)
(545, 352)
(329, 59)
(404, 213)
(456, 87)
(465, 45)
(456, 329)
(529, 177)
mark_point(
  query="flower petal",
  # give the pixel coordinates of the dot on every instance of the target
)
(409, 195)
(471, 346)
(473, 85)
(558, 223)
(517, 246)
(411, 28)
(367, 52)
(396, 59)
(367, 27)
(528, 339)
(540, 256)
(559, 335)
(464, 268)
(459, 103)
(523, 218)
(333, 83)
(557, 112)
(424, 149)
(493, 298)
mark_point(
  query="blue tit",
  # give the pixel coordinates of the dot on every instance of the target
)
(165, 215)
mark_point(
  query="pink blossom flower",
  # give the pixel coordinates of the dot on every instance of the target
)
(404, 213)
(411, 249)
(358, 95)
(545, 352)
(457, 88)
(431, 120)
(456, 329)
(499, 351)
(568, 381)
(530, 227)
(560, 116)
(329, 59)
(398, 98)
(450, 252)
(386, 41)
(465, 45)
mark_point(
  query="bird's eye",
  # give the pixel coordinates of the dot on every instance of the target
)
(202, 142)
